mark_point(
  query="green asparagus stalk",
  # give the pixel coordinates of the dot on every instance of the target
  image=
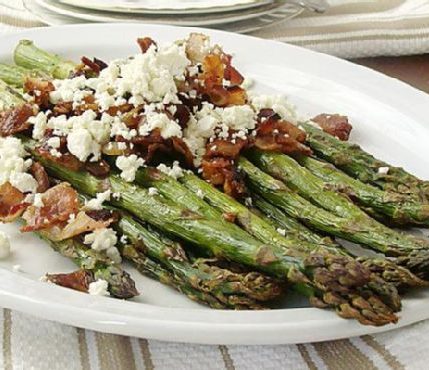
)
(397, 207)
(255, 225)
(388, 270)
(329, 280)
(234, 290)
(28, 56)
(16, 76)
(155, 271)
(100, 267)
(8, 97)
(361, 165)
(356, 229)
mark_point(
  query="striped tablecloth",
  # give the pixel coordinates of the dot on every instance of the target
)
(30, 343)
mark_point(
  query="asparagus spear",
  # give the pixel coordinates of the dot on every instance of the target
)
(15, 75)
(357, 229)
(28, 56)
(388, 270)
(328, 280)
(255, 225)
(234, 290)
(8, 97)
(100, 267)
(397, 207)
(363, 166)
(154, 270)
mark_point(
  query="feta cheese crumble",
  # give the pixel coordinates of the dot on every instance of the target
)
(99, 287)
(383, 170)
(13, 165)
(175, 171)
(277, 103)
(281, 231)
(4, 246)
(38, 200)
(153, 191)
(129, 166)
(101, 239)
(96, 203)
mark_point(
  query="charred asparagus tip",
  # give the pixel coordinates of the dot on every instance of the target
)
(392, 273)
(417, 262)
(368, 312)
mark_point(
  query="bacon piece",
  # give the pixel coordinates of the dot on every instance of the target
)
(180, 147)
(145, 43)
(225, 96)
(39, 173)
(213, 71)
(78, 280)
(59, 203)
(150, 146)
(40, 90)
(82, 223)
(182, 115)
(104, 215)
(222, 172)
(225, 148)
(335, 125)
(95, 65)
(15, 120)
(229, 216)
(100, 169)
(232, 75)
(195, 47)
(11, 203)
(281, 136)
(66, 160)
(63, 108)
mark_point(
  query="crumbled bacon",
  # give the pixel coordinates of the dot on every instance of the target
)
(63, 108)
(100, 169)
(233, 76)
(278, 135)
(59, 203)
(150, 146)
(229, 216)
(95, 65)
(39, 89)
(226, 96)
(195, 47)
(15, 120)
(83, 222)
(104, 215)
(78, 280)
(182, 115)
(335, 125)
(11, 203)
(225, 148)
(223, 172)
(66, 160)
(145, 43)
(39, 173)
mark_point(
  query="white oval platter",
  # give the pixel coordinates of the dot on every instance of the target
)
(390, 120)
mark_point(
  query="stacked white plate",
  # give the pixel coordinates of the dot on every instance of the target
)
(232, 15)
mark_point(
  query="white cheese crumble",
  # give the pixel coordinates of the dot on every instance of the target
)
(96, 203)
(13, 165)
(99, 287)
(174, 171)
(4, 246)
(277, 103)
(168, 128)
(281, 231)
(38, 200)
(383, 170)
(101, 239)
(129, 166)
(40, 124)
(248, 202)
(153, 191)
(200, 194)
(54, 142)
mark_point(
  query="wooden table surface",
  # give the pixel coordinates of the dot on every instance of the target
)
(411, 69)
